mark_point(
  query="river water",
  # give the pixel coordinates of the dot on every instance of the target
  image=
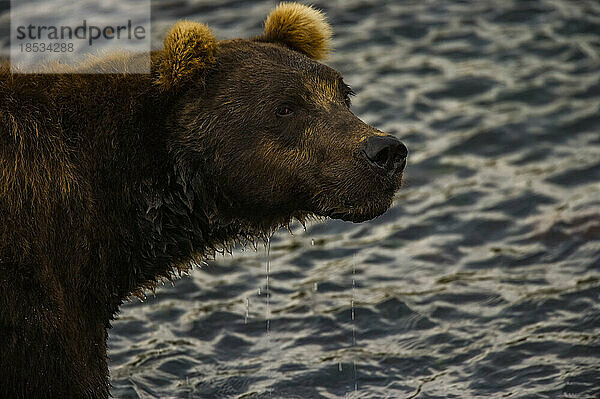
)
(483, 279)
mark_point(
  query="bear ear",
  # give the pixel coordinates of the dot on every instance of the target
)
(300, 27)
(188, 50)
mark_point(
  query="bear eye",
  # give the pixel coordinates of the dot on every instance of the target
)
(284, 110)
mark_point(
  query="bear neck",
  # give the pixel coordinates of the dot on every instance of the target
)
(182, 220)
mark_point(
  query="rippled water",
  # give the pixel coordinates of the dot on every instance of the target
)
(483, 280)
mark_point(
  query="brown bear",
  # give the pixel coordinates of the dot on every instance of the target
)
(112, 182)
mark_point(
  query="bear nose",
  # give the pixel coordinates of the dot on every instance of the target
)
(386, 153)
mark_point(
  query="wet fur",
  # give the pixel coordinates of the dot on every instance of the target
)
(94, 209)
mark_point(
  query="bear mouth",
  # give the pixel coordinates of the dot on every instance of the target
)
(363, 211)
(358, 215)
(354, 217)
(359, 201)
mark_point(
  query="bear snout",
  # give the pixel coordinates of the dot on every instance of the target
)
(386, 154)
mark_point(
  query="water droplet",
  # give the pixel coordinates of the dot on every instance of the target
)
(315, 286)
(312, 242)
(340, 366)
(259, 291)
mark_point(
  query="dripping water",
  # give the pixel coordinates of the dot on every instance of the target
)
(247, 310)
(268, 310)
(354, 322)
(313, 297)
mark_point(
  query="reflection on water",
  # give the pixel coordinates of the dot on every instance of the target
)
(482, 281)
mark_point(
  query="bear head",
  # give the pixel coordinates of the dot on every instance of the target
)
(271, 127)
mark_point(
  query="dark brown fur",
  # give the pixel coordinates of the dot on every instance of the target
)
(109, 183)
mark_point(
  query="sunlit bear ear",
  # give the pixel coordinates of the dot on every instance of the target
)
(301, 28)
(188, 50)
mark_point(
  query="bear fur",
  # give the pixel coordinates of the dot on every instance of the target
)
(111, 182)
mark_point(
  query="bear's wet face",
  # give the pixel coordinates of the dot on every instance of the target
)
(282, 140)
